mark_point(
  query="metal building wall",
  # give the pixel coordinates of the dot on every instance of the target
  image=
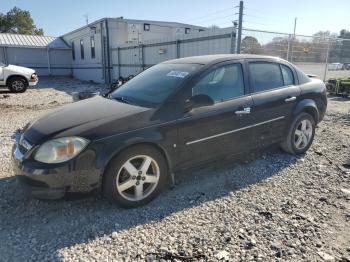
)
(88, 68)
(61, 62)
(44, 61)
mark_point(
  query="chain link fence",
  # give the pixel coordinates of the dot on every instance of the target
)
(323, 56)
(318, 55)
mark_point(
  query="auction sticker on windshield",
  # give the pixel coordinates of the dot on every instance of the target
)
(179, 74)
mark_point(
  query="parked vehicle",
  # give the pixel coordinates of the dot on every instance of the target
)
(17, 78)
(175, 115)
(339, 86)
(346, 66)
(335, 66)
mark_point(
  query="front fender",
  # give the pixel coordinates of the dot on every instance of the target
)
(156, 137)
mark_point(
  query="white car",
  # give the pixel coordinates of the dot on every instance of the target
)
(335, 66)
(17, 78)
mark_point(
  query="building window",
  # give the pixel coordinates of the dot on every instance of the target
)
(82, 49)
(73, 51)
(187, 30)
(146, 27)
(92, 42)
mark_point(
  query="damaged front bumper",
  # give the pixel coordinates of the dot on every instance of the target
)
(52, 181)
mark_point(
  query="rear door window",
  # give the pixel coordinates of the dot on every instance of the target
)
(265, 76)
(287, 74)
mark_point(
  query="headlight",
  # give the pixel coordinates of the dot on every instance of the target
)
(60, 150)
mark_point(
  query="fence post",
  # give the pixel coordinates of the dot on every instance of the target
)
(288, 47)
(118, 57)
(48, 60)
(141, 47)
(233, 40)
(177, 48)
(326, 65)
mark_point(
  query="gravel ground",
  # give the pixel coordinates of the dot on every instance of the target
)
(268, 206)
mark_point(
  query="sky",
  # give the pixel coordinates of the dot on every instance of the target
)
(62, 16)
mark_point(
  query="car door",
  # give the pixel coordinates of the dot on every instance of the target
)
(210, 132)
(274, 93)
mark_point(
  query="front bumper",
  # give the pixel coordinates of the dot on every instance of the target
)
(33, 82)
(52, 181)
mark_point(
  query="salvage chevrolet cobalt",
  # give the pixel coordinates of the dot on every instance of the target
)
(174, 115)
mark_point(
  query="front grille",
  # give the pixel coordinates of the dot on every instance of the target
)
(24, 145)
(22, 149)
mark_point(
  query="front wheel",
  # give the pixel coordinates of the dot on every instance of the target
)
(135, 177)
(300, 134)
(17, 85)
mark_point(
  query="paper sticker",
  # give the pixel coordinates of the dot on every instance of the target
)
(179, 74)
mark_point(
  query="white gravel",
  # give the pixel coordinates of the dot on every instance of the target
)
(263, 207)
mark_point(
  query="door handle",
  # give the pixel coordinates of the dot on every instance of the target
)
(245, 111)
(290, 99)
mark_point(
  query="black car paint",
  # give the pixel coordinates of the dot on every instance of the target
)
(112, 126)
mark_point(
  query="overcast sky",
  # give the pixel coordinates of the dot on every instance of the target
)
(61, 16)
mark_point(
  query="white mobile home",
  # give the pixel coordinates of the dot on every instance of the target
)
(92, 44)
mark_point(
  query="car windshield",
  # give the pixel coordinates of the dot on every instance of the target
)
(154, 85)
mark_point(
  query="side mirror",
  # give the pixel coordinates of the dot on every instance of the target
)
(198, 101)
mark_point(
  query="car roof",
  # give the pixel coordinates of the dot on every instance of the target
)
(212, 59)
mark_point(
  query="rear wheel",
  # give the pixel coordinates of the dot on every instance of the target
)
(330, 88)
(17, 84)
(300, 134)
(135, 177)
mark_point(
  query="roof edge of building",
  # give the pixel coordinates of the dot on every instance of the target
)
(130, 20)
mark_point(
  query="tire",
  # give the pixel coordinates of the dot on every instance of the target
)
(123, 187)
(330, 88)
(17, 84)
(292, 143)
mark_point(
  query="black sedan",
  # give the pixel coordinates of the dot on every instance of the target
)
(174, 115)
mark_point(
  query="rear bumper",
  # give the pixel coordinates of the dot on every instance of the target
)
(52, 181)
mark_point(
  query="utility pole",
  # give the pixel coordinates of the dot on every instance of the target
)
(240, 22)
(326, 65)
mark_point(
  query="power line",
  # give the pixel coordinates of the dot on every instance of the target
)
(214, 19)
(209, 14)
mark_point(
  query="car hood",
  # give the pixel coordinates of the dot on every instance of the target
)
(92, 118)
(20, 69)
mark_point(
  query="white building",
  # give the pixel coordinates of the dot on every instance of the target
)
(85, 53)
(46, 55)
(92, 44)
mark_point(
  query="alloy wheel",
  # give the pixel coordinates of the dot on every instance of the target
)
(17, 85)
(303, 134)
(137, 178)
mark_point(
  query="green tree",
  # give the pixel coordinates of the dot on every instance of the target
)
(345, 34)
(18, 21)
(250, 45)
